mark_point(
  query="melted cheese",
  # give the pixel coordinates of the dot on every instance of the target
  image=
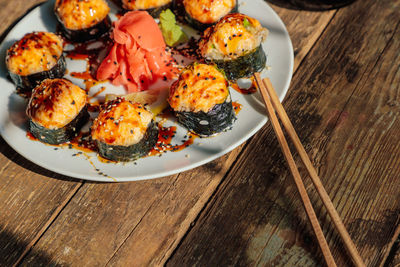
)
(231, 37)
(55, 103)
(144, 4)
(121, 123)
(199, 88)
(208, 11)
(35, 52)
(81, 14)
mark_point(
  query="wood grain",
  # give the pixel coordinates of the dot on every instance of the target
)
(11, 11)
(30, 196)
(304, 29)
(394, 260)
(344, 104)
(150, 218)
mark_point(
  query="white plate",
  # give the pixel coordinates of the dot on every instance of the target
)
(251, 118)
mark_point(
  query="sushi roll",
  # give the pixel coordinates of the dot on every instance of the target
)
(83, 20)
(57, 111)
(235, 45)
(124, 131)
(37, 56)
(201, 100)
(154, 7)
(201, 14)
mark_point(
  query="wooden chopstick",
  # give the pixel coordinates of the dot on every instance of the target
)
(272, 101)
(296, 175)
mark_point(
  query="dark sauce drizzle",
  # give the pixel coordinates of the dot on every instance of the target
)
(237, 107)
(244, 91)
(165, 136)
(93, 57)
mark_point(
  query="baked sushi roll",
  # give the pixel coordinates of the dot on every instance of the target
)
(201, 14)
(37, 56)
(154, 7)
(124, 131)
(201, 100)
(57, 111)
(235, 45)
(83, 20)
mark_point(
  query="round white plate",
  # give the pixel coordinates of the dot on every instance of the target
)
(250, 119)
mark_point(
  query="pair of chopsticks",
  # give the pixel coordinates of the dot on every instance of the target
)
(272, 102)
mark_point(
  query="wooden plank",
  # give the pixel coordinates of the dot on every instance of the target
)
(393, 260)
(304, 28)
(396, 260)
(97, 221)
(344, 104)
(11, 11)
(30, 196)
(150, 218)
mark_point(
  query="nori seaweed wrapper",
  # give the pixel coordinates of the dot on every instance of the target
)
(155, 11)
(91, 33)
(61, 135)
(243, 66)
(133, 152)
(218, 119)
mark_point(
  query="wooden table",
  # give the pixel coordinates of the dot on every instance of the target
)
(241, 209)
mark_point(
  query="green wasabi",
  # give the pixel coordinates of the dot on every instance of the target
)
(171, 31)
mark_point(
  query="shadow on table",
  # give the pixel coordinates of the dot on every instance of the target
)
(11, 248)
(10, 153)
(311, 5)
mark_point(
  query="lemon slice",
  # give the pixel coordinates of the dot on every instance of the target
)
(155, 99)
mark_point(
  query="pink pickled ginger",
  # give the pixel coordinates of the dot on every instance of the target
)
(138, 57)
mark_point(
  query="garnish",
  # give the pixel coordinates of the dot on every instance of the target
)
(171, 31)
(156, 99)
(138, 57)
(246, 23)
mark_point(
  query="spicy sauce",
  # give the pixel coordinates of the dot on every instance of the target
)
(30, 136)
(90, 52)
(237, 107)
(249, 91)
(165, 136)
(84, 142)
(87, 78)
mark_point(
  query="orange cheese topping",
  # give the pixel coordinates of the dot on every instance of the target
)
(232, 37)
(81, 14)
(144, 4)
(55, 103)
(35, 52)
(208, 11)
(199, 88)
(121, 123)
